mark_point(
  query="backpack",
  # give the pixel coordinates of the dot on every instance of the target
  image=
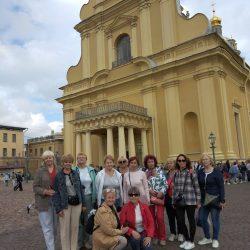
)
(91, 222)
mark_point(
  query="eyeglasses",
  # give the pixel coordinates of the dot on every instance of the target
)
(109, 190)
(182, 160)
(135, 195)
(122, 162)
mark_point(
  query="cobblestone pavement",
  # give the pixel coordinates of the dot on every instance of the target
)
(19, 230)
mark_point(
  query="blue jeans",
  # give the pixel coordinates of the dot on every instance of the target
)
(215, 216)
(48, 221)
(138, 244)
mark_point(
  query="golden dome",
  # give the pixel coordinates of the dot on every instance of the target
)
(215, 21)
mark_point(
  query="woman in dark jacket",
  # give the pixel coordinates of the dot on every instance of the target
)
(212, 199)
(43, 187)
(69, 202)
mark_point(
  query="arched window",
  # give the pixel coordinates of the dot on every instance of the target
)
(123, 50)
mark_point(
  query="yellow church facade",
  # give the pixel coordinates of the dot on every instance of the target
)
(152, 80)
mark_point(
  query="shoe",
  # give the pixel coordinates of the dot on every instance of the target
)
(228, 183)
(183, 245)
(171, 237)
(205, 241)
(215, 244)
(180, 237)
(155, 241)
(162, 242)
(189, 245)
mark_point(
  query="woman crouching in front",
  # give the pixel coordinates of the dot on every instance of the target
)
(107, 228)
(138, 218)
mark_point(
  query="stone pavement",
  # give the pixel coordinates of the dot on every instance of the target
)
(19, 230)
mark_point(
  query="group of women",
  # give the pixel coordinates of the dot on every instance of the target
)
(130, 202)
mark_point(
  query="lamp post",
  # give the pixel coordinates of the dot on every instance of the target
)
(212, 139)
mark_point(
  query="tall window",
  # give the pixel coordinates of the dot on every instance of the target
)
(41, 151)
(35, 151)
(5, 137)
(5, 153)
(123, 50)
(13, 137)
(13, 152)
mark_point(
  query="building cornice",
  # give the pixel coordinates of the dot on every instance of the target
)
(205, 74)
(171, 83)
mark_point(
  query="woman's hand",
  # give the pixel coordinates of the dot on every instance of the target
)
(84, 209)
(61, 214)
(152, 192)
(146, 241)
(136, 235)
(222, 205)
(49, 192)
(160, 195)
(124, 230)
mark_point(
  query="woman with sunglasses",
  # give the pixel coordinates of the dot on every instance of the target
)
(122, 167)
(108, 232)
(186, 198)
(69, 202)
(138, 218)
(136, 178)
(109, 177)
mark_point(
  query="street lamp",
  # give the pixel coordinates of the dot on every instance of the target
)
(212, 139)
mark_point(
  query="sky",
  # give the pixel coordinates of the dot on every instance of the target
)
(38, 44)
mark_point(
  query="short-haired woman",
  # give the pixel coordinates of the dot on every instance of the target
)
(157, 190)
(109, 177)
(69, 202)
(138, 218)
(122, 166)
(43, 187)
(108, 233)
(212, 199)
(186, 197)
(136, 178)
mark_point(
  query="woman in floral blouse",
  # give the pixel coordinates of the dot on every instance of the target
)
(157, 191)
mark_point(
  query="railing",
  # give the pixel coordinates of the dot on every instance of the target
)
(110, 108)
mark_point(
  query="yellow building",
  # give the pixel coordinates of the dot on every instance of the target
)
(11, 141)
(152, 80)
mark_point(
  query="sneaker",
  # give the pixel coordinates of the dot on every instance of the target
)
(205, 241)
(162, 242)
(171, 237)
(228, 183)
(183, 245)
(180, 237)
(215, 244)
(189, 245)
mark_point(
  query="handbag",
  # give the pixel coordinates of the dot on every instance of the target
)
(73, 200)
(156, 201)
(179, 201)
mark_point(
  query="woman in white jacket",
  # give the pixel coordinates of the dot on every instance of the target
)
(109, 177)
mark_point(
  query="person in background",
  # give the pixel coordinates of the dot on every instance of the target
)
(171, 212)
(109, 177)
(234, 171)
(248, 169)
(138, 218)
(108, 233)
(157, 190)
(43, 187)
(69, 202)
(211, 184)
(122, 166)
(243, 170)
(186, 189)
(87, 176)
(136, 178)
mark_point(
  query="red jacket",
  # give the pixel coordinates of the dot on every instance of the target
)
(127, 218)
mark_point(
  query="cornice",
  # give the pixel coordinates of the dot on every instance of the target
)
(222, 73)
(203, 75)
(144, 4)
(150, 89)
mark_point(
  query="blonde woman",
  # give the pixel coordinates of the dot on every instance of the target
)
(43, 187)
(212, 199)
(109, 177)
(108, 234)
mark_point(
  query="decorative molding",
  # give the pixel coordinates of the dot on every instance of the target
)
(85, 35)
(100, 74)
(144, 60)
(147, 90)
(145, 4)
(172, 83)
(222, 73)
(236, 104)
(204, 75)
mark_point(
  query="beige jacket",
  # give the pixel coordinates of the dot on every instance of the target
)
(106, 236)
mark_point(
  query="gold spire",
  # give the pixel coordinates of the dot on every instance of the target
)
(215, 20)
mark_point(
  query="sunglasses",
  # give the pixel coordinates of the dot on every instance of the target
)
(122, 162)
(109, 190)
(135, 195)
(181, 160)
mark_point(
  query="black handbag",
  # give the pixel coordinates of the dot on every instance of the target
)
(73, 200)
(179, 201)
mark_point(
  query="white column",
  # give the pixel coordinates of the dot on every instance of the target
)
(88, 146)
(110, 142)
(100, 46)
(144, 143)
(134, 47)
(78, 143)
(121, 139)
(131, 142)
